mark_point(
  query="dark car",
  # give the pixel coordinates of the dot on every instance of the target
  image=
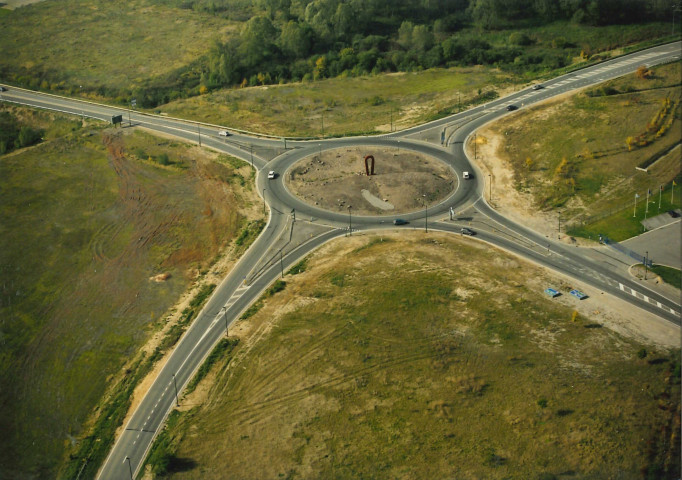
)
(511, 107)
(537, 87)
(400, 221)
(467, 231)
(2, 89)
(673, 213)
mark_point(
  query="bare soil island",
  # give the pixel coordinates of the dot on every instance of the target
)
(402, 180)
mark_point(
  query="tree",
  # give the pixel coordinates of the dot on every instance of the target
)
(628, 142)
(405, 34)
(320, 68)
(295, 40)
(258, 38)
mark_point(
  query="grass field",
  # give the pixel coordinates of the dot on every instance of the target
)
(341, 105)
(89, 218)
(102, 45)
(426, 357)
(579, 154)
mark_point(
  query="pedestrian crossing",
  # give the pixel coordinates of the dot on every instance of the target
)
(647, 299)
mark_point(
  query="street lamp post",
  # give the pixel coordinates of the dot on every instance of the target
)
(646, 263)
(490, 196)
(559, 225)
(350, 225)
(175, 384)
(130, 467)
(223, 310)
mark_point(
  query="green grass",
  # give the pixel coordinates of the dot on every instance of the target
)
(588, 134)
(347, 104)
(437, 359)
(224, 347)
(626, 223)
(670, 275)
(82, 237)
(101, 45)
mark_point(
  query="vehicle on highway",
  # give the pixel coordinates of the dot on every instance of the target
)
(537, 87)
(272, 174)
(224, 133)
(467, 231)
(400, 221)
(511, 107)
(2, 89)
(673, 213)
(466, 175)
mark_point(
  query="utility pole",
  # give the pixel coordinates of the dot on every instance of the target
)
(490, 196)
(391, 119)
(646, 263)
(350, 226)
(175, 383)
(559, 225)
(130, 467)
(223, 310)
(199, 130)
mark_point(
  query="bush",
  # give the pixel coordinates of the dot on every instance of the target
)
(163, 159)
(642, 353)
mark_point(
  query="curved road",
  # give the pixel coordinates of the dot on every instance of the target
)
(234, 294)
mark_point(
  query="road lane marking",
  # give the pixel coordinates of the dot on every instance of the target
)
(647, 299)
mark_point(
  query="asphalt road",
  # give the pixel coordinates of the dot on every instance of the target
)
(234, 294)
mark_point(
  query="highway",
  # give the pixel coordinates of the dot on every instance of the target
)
(242, 287)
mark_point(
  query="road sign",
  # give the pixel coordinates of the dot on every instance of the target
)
(133, 102)
(115, 119)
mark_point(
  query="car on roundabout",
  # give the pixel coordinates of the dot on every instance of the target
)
(271, 175)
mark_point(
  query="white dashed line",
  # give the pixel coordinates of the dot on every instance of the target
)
(647, 299)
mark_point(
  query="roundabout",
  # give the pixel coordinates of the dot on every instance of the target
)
(321, 181)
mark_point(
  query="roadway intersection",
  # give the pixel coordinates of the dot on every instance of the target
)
(261, 264)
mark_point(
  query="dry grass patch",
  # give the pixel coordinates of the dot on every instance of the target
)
(398, 369)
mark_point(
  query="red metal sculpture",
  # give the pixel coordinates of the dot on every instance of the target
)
(367, 169)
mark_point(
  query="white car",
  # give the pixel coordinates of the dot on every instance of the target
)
(223, 133)
(466, 175)
(271, 174)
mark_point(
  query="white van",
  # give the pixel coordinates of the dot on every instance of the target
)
(466, 175)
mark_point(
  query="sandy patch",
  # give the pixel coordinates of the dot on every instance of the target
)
(402, 180)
